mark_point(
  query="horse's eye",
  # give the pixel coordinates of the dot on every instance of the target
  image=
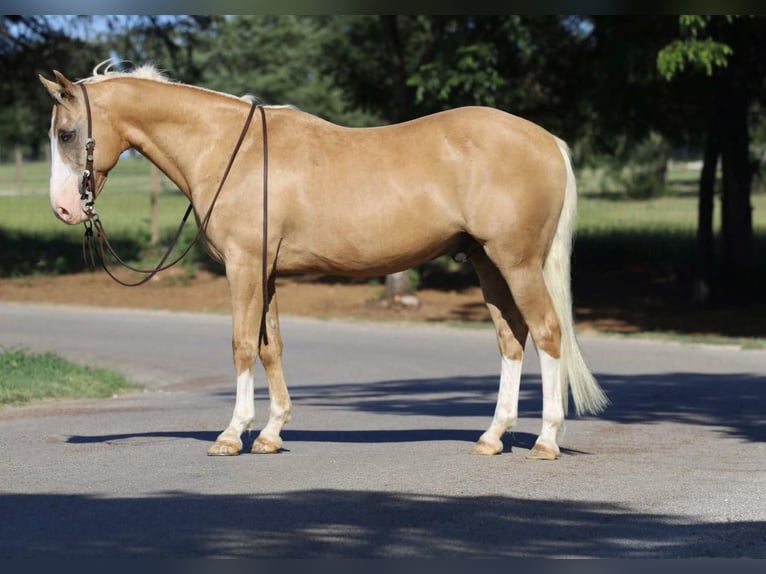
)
(66, 136)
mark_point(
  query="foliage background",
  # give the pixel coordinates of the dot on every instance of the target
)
(631, 94)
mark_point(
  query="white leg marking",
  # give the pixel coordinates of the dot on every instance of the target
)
(506, 410)
(553, 407)
(244, 406)
(244, 409)
(278, 418)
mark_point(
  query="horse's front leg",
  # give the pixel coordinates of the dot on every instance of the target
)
(246, 306)
(270, 351)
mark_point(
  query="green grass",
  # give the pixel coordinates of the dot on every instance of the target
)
(744, 343)
(604, 207)
(130, 174)
(620, 234)
(673, 213)
(26, 377)
(123, 205)
(35, 241)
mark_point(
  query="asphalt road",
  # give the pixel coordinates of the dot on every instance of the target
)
(377, 461)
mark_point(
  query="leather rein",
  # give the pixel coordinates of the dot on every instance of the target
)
(87, 189)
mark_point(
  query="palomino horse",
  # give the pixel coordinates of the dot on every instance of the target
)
(473, 182)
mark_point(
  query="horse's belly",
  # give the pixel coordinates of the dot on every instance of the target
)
(364, 256)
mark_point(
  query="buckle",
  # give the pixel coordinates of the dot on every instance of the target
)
(86, 193)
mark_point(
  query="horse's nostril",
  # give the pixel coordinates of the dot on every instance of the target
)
(62, 212)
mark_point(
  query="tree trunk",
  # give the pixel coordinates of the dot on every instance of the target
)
(395, 52)
(19, 160)
(703, 289)
(736, 209)
(400, 291)
(397, 284)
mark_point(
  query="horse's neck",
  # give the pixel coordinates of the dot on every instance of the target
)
(171, 125)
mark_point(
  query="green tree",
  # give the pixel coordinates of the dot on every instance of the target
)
(401, 67)
(276, 59)
(729, 51)
(168, 42)
(30, 45)
(630, 116)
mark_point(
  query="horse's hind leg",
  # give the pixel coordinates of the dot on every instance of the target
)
(511, 333)
(270, 351)
(531, 296)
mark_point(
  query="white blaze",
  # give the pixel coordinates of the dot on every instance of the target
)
(64, 195)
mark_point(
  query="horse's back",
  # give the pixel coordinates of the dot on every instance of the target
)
(412, 188)
(444, 146)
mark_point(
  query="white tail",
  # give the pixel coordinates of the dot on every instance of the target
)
(573, 372)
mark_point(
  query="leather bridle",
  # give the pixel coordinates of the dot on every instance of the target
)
(88, 181)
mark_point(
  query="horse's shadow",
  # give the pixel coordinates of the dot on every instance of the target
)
(511, 440)
(732, 403)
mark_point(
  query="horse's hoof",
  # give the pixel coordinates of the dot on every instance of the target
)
(486, 447)
(223, 448)
(543, 452)
(264, 445)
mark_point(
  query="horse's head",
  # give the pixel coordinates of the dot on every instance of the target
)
(69, 136)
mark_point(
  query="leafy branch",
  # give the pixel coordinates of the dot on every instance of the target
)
(694, 50)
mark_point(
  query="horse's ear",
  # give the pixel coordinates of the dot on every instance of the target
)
(60, 91)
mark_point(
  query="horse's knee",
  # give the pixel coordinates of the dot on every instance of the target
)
(271, 353)
(244, 355)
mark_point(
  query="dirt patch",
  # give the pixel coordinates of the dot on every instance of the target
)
(612, 308)
(209, 292)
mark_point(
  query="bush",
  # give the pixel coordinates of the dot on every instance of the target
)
(644, 172)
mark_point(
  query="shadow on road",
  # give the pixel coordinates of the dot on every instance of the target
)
(733, 403)
(363, 524)
(511, 440)
(340, 523)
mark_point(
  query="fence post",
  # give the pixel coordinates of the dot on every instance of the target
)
(19, 170)
(155, 211)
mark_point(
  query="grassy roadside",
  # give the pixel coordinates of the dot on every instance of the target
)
(741, 343)
(26, 377)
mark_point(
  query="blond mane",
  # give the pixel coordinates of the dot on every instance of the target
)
(103, 72)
